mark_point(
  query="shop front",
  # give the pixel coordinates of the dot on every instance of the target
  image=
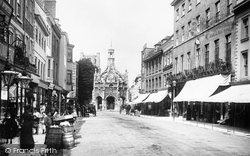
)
(157, 103)
(191, 101)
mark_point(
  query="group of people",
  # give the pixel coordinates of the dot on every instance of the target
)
(28, 124)
(136, 110)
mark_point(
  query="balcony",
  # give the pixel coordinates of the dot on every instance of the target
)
(216, 67)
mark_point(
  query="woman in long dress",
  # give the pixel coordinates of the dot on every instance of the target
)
(11, 126)
(26, 136)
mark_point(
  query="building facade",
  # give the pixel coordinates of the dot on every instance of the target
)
(37, 49)
(209, 59)
(110, 86)
(156, 67)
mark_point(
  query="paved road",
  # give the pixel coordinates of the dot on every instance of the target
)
(114, 134)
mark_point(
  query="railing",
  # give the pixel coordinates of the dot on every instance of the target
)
(217, 67)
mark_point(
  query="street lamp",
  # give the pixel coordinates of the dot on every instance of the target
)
(24, 81)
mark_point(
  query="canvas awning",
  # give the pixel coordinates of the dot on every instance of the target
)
(235, 94)
(140, 98)
(201, 89)
(157, 97)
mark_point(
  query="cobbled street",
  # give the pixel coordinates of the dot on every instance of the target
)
(114, 134)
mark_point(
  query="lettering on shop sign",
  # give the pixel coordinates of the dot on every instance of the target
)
(220, 31)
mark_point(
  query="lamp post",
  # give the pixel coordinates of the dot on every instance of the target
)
(24, 81)
(173, 109)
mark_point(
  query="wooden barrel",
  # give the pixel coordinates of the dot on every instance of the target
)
(68, 140)
(54, 138)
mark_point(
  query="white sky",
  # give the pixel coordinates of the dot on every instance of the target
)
(129, 24)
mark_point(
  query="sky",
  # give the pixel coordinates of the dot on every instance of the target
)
(126, 25)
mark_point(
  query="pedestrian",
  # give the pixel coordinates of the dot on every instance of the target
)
(26, 136)
(47, 123)
(10, 126)
(37, 116)
(43, 115)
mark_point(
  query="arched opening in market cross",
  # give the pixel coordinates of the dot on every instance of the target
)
(99, 102)
(110, 101)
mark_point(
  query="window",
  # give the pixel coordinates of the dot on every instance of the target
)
(39, 39)
(198, 19)
(156, 64)
(160, 64)
(41, 70)
(228, 48)
(176, 65)
(49, 68)
(207, 17)
(198, 57)
(245, 33)
(18, 6)
(189, 5)
(183, 9)
(153, 66)
(27, 10)
(188, 61)
(177, 14)
(206, 54)
(217, 8)
(182, 63)
(56, 71)
(182, 36)
(156, 83)
(177, 39)
(42, 43)
(198, 2)
(229, 7)
(11, 37)
(217, 50)
(35, 62)
(38, 67)
(245, 63)
(189, 29)
(146, 84)
(170, 57)
(153, 84)
(36, 35)
(165, 80)
(69, 76)
(160, 82)
(44, 72)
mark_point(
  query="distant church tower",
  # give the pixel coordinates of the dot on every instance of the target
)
(110, 86)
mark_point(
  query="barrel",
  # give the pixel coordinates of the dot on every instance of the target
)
(54, 138)
(68, 140)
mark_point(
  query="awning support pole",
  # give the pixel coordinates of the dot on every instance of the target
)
(234, 116)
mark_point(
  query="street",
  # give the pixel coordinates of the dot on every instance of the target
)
(114, 134)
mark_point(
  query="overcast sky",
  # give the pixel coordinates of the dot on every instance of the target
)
(129, 24)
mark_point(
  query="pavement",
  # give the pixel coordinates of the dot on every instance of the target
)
(217, 127)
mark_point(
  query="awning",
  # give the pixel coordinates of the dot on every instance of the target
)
(140, 98)
(157, 97)
(235, 94)
(201, 89)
